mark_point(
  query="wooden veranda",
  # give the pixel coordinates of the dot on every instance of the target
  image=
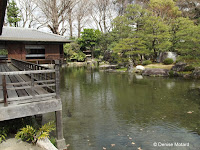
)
(28, 89)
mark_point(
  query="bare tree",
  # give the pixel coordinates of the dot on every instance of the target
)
(190, 8)
(121, 5)
(102, 13)
(81, 13)
(70, 13)
(53, 14)
(27, 10)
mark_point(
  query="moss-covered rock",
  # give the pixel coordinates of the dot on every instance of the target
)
(155, 72)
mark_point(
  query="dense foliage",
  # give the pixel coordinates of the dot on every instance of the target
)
(28, 133)
(12, 126)
(143, 33)
(3, 52)
(72, 51)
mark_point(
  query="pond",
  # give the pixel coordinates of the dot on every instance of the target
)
(121, 111)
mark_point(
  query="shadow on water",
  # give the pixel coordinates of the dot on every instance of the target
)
(101, 109)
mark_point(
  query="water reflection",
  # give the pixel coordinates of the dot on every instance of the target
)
(114, 108)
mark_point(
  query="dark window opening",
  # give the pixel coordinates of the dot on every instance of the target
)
(35, 53)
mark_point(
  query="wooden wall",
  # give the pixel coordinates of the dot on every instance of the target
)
(17, 50)
(52, 52)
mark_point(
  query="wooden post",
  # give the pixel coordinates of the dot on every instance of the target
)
(61, 145)
(32, 85)
(57, 78)
(4, 90)
(59, 123)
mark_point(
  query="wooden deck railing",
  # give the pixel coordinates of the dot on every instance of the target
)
(40, 77)
(24, 66)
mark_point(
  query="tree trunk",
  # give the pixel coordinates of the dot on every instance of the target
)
(92, 51)
(155, 55)
(130, 65)
(54, 29)
(79, 27)
(104, 19)
(70, 22)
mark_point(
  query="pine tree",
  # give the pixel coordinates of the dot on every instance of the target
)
(13, 14)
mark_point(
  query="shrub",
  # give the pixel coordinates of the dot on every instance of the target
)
(189, 68)
(3, 134)
(53, 140)
(147, 62)
(168, 61)
(80, 56)
(12, 126)
(28, 133)
(3, 52)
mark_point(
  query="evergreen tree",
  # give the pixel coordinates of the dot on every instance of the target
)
(188, 37)
(130, 49)
(156, 35)
(13, 14)
(165, 9)
(89, 39)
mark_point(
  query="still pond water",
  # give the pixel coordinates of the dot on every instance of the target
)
(119, 111)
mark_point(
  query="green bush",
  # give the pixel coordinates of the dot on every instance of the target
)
(80, 56)
(3, 134)
(189, 68)
(53, 140)
(3, 52)
(28, 133)
(12, 126)
(168, 61)
(147, 62)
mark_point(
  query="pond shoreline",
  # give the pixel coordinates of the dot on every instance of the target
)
(121, 109)
(158, 71)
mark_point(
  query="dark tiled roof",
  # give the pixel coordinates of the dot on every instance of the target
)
(30, 35)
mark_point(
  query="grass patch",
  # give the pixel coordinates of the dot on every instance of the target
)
(195, 64)
(160, 66)
(184, 72)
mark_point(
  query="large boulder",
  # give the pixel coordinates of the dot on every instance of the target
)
(140, 67)
(155, 72)
(180, 66)
(166, 55)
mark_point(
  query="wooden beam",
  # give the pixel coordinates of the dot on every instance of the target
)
(3, 4)
(27, 72)
(4, 91)
(30, 109)
(57, 79)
